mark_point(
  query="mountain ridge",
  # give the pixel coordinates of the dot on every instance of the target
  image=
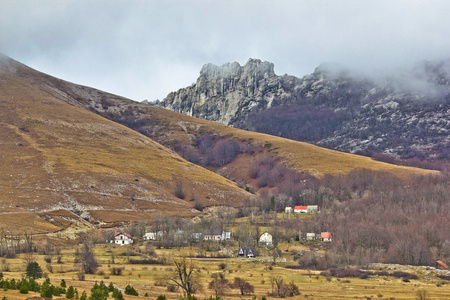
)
(405, 114)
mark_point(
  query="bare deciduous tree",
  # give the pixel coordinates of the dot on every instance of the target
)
(86, 258)
(218, 284)
(243, 285)
(184, 275)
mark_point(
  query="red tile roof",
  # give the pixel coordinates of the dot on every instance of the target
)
(125, 234)
(301, 207)
(325, 235)
(442, 263)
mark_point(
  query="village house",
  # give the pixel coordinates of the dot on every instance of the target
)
(441, 265)
(325, 236)
(310, 236)
(122, 238)
(150, 236)
(265, 239)
(288, 210)
(179, 234)
(212, 235)
(301, 209)
(226, 235)
(247, 252)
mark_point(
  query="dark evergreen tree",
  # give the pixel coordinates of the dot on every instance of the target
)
(34, 270)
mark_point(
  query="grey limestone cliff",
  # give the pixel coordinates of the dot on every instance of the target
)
(224, 93)
(405, 114)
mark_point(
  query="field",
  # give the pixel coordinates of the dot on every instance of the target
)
(257, 271)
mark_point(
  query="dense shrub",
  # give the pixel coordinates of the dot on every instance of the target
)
(401, 274)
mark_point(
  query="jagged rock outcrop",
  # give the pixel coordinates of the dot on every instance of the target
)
(225, 93)
(406, 114)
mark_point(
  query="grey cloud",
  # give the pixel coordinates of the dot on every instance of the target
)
(145, 49)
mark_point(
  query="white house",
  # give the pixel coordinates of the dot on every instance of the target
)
(226, 235)
(301, 209)
(265, 239)
(212, 235)
(122, 238)
(150, 236)
(310, 236)
(326, 236)
(288, 209)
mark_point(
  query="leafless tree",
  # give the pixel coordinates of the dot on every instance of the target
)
(86, 258)
(184, 275)
(243, 285)
(218, 284)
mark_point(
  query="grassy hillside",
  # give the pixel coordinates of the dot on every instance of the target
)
(59, 157)
(167, 127)
(59, 153)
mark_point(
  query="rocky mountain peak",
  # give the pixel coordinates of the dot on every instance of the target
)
(405, 114)
(211, 71)
(253, 68)
(259, 68)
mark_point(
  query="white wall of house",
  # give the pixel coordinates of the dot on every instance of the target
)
(266, 238)
(122, 239)
(150, 236)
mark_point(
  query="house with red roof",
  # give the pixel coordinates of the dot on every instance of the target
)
(441, 265)
(122, 238)
(301, 209)
(325, 236)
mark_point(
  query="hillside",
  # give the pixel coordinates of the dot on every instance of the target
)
(172, 129)
(404, 113)
(63, 165)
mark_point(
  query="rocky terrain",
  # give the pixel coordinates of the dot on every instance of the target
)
(405, 114)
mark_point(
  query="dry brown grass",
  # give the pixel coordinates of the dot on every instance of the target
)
(56, 156)
(256, 271)
(299, 155)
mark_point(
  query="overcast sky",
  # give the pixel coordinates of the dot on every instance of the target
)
(146, 49)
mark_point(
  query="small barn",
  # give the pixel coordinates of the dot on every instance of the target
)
(122, 238)
(266, 239)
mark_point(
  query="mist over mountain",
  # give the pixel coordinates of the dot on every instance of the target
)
(404, 113)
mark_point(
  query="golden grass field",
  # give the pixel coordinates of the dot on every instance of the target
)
(257, 271)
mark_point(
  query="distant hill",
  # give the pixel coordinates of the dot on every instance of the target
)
(63, 165)
(405, 114)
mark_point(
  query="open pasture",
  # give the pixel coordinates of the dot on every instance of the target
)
(152, 279)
